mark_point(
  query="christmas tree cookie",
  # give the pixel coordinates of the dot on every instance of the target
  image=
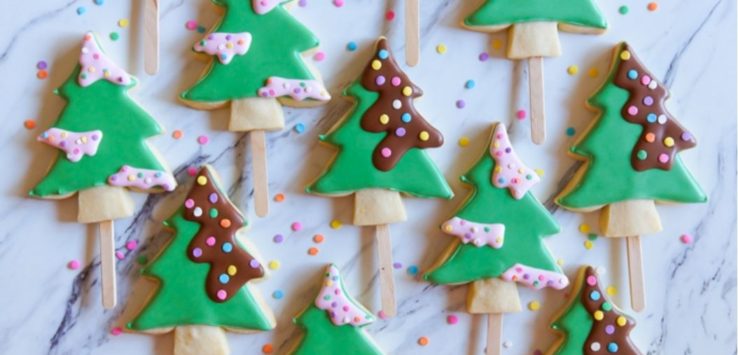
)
(381, 153)
(334, 322)
(256, 63)
(590, 323)
(498, 235)
(630, 154)
(204, 275)
(102, 150)
(533, 34)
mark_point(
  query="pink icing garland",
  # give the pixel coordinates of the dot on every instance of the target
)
(477, 233)
(263, 6)
(225, 45)
(143, 179)
(510, 172)
(535, 278)
(74, 144)
(296, 88)
(340, 307)
(96, 65)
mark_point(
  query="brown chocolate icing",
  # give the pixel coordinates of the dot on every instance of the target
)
(394, 112)
(215, 243)
(662, 136)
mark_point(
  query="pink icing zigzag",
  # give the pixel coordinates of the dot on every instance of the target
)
(477, 233)
(263, 6)
(535, 278)
(295, 88)
(340, 307)
(144, 179)
(74, 144)
(225, 45)
(510, 172)
(96, 65)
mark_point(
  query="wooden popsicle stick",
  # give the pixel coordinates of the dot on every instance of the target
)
(261, 176)
(107, 264)
(635, 271)
(151, 36)
(386, 279)
(494, 334)
(412, 32)
(537, 102)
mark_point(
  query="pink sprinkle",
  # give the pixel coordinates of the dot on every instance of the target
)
(119, 255)
(686, 238)
(632, 110)
(203, 139)
(319, 56)
(645, 80)
(191, 25)
(381, 314)
(210, 241)
(663, 158)
(396, 81)
(131, 244)
(191, 171)
(591, 280)
(521, 114)
(452, 319)
(189, 203)
(338, 3)
(73, 265)
(386, 152)
(221, 294)
(296, 226)
(116, 331)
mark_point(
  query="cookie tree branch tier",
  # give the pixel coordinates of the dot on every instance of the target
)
(630, 153)
(257, 59)
(380, 144)
(533, 34)
(334, 322)
(101, 137)
(204, 275)
(591, 324)
(498, 237)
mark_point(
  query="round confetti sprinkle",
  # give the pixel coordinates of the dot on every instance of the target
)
(267, 348)
(351, 46)
(41, 65)
(560, 262)
(412, 270)
(539, 172)
(592, 236)
(460, 104)
(381, 314)
(470, 84)
(588, 244)
(81, 10)
(278, 294)
(423, 341)
(318, 238)
(496, 44)
(593, 73)
(621, 321)
(652, 6)
(73, 264)
(99, 2)
(336, 224)
(389, 15)
(29, 124)
(571, 131)
(123, 23)
(611, 290)
(42, 74)
(521, 114)
(483, 57)
(685, 238)
(584, 228)
(116, 331)
(338, 3)
(274, 265)
(572, 69)
(534, 305)
(397, 265)
(642, 154)
(177, 134)
(441, 48)
(598, 315)
(131, 244)
(278, 238)
(313, 251)
(612, 347)
(452, 319)
(202, 140)
(296, 226)
(320, 56)
(201, 29)
(191, 25)
(279, 197)
(623, 10)
(119, 255)
(591, 280)
(202, 180)
(299, 128)
(463, 141)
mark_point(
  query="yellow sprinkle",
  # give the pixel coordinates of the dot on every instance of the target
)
(441, 48)
(328, 283)
(376, 64)
(424, 136)
(335, 224)
(572, 69)
(539, 172)
(91, 69)
(232, 270)
(611, 290)
(560, 262)
(496, 44)
(384, 119)
(625, 55)
(669, 142)
(463, 141)
(131, 177)
(274, 265)
(534, 305)
(229, 45)
(598, 315)
(588, 244)
(448, 228)
(123, 23)
(584, 228)
(83, 139)
(593, 73)
(407, 91)
(202, 180)
(622, 321)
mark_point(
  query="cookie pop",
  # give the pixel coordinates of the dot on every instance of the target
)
(204, 275)
(381, 154)
(630, 160)
(256, 65)
(101, 135)
(533, 33)
(498, 238)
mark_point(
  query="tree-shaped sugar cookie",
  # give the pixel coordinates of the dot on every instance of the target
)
(204, 275)
(533, 27)
(334, 322)
(256, 59)
(101, 137)
(630, 160)
(498, 237)
(381, 154)
(591, 323)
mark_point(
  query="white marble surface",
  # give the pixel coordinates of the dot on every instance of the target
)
(691, 289)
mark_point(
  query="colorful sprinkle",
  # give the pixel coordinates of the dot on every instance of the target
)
(397, 265)
(572, 70)
(320, 56)
(381, 314)
(521, 114)
(81, 10)
(299, 128)
(115, 331)
(131, 245)
(318, 238)
(611, 290)
(534, 305)
(483, 57)
(623, 10)
(593, 73)
(460, 104)
(389, 15)
(123, 23)
(202, 140)
(584, 228)
(470, 84)
(685, 239)
(119, 255)
(191, 25)
(496, 44)
(29, 124)
(412, 270)
(652, 6)
(588, 244)
(41, 65)
(177, 134)
(274, 265)
(452, 319)
(312, 251)
(336, 224)
(279, 197)
(42, 74)
(99, 2)
(423, 341)
(351, 46)
(267, 348)
(463, 141)
(441, 48)
(570, 131)
(73, 264)
(296, 226)
(278, 294)
(278, 238)
(114, 36)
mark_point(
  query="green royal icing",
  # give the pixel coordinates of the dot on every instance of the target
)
(125, 126)
(582, 13)
(325, 338)
(181, 298)
(526, 223)
(352, 169)
(608, 175)
(575, 323)
(278, 41)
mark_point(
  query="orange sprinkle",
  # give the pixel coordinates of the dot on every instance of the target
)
(225, 222)
(653, 6)
(177, 134)
(267, 348)
(318, 238)
(42, 74)
(29, 124)
(279, 197)
(313, 251)
(423, 341)
(650, 137)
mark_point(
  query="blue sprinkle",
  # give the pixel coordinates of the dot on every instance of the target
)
(227, 247)
(278, 294)
(81, 10)
(612, 347)
(406, 117)
(201, 29)
(99, 2)
(299, 128)
(470, 84)
(594, 295)
(351, 46)
(571, 131)
(383, 54)
(651, 117)
(412, 270)
(223, 278)
(632, 74)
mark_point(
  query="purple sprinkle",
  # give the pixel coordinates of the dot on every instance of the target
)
(381, 80)
(397, 265)
(278, 238)
(460, 104)
(41, 65)
(228, 37)
(686, 136)
(526, 276)
(254, 263)
(508, 150)
(610, 329)
(213, 197)
(400, 132)
(210, 37)
(483, 56)
(197, 252)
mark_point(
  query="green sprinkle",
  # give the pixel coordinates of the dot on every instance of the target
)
(114, 36)
(623, 10)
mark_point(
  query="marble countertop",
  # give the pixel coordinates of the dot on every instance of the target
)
(691, 288)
